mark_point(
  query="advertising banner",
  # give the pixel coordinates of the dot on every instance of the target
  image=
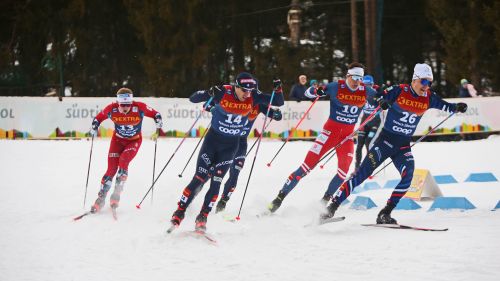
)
(47, 117)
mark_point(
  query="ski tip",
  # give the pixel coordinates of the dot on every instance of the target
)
(138, 206)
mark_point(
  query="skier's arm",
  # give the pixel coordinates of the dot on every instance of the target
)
(101, 116)
(438, 103)
(204, 95)
(387, 97)
(274, 113)
(151, 113)
(278, 99)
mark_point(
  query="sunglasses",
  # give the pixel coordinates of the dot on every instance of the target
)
(357, 78)
(245, 89)
(125, 105)
(425, 82)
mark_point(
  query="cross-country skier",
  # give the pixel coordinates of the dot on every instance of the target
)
(233, 104)
(406, 105)
(347, 98)
(240, 156)
(369, 130)
(127, 115)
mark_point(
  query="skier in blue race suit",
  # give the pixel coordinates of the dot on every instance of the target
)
(233, 104)
(406, 104)
(240, 156)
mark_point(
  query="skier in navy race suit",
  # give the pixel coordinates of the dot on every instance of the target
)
(240, 156)
(233, 104)
(406, 105)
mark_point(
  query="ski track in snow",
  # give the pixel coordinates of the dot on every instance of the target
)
(43, 185)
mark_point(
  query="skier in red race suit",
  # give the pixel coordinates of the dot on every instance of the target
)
(347, 98)
(127, 115)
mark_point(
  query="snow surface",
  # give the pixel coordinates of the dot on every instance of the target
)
(43, 185)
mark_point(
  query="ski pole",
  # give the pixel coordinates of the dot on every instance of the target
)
(295, 128)
(138, 206)
(196, 147)
(334, 150)
(419, 140)
(88, 171)
(255, 156)
(255, 142)
(154, 162)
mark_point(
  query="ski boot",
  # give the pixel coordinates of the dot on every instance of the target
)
(101, 195)
(384, 216)
(326, 198)
(201, 222)
(330, 211)
(120, 182)
(221, 205)
(178, 216)
(99, 202)
(276, 203)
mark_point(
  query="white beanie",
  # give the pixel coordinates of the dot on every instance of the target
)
(125, 98)
(357, 71)
(422, 70)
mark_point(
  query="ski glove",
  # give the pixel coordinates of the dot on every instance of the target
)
(213, 90)
(94, 128)
(158, 121)
(320, 92)
(461, 107)
(277, 85)
(277, 114)
(383, 103)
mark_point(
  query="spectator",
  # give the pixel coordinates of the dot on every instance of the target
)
(467, 90)
(313, 83)
(298, 89)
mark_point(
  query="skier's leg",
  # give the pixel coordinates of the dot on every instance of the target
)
(129, 152)
(115, 149)
(403, 161)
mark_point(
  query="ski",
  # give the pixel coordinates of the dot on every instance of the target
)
(228, 218)
(264, 214)
(321, 222)
(82, 215)
(400, 226)
(334, 219)
(172, 228)
(205, 235)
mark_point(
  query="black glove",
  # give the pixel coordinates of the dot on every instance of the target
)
(384, 104)
(320, 92)
(158, 121)
(94, 128)
(277, 85)
(461, 107)
(277, 114)
(213, 90)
